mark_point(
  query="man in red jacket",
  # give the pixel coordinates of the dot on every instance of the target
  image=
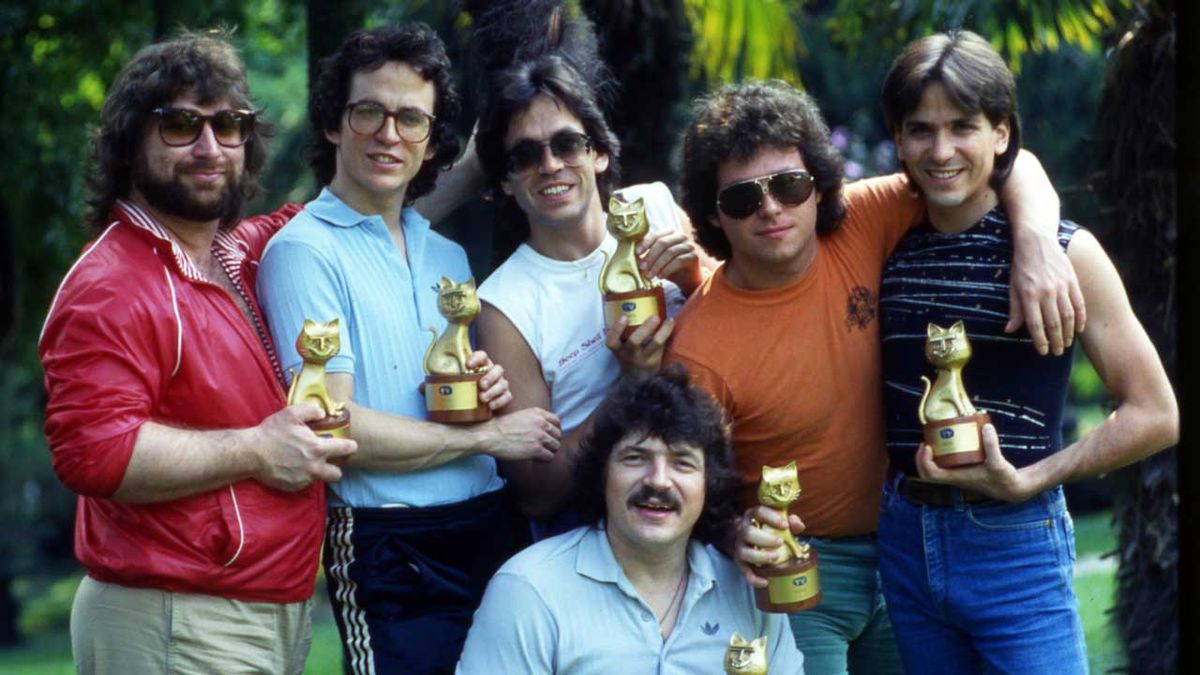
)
(200, 508)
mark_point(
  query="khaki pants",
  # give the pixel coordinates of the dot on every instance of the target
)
(119, 630)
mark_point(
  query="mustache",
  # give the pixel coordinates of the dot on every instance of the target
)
(646, 493)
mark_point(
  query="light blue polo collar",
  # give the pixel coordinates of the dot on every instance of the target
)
(330, 209)
(597, 561)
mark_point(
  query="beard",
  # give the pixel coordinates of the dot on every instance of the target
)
(172, 196)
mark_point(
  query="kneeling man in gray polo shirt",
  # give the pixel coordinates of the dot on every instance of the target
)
(641, 589)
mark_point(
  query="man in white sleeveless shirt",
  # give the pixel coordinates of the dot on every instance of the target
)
(551, 160)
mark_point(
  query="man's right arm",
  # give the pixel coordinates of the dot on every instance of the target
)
(281, 453)
(397, 443)
(104, 359)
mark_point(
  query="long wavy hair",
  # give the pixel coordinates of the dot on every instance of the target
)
(668, 407)
(205, 63)
(415, 44)
(735, 123)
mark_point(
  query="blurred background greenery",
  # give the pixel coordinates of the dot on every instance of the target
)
(1096, 88)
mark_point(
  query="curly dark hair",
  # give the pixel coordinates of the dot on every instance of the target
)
(973, 75)
(740, 120)
(202, 62)
(510, 92)
(668, 407)
(366, 50)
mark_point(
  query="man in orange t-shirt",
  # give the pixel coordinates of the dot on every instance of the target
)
(785, 336)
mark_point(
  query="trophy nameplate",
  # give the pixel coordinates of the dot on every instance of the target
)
(951, 426)
(452, 388)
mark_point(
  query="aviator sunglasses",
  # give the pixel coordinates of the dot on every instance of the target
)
(568, 146)
(741, 200)
(178, 127)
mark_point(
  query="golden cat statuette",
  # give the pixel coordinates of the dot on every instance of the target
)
(316, 344)
(451, 387)
(627, 292)
(746, 658)
(792, 583)
(951, 424)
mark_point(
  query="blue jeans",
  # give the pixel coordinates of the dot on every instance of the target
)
(849, 631)
(983, 587)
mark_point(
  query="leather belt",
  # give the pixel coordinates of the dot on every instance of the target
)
(925, 493)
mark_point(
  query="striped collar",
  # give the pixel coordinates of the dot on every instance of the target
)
(228, 249)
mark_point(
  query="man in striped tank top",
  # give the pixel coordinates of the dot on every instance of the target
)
(977, 561)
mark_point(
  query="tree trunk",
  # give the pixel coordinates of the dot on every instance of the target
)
(329, 22)
(646, 45)
(1137, 180)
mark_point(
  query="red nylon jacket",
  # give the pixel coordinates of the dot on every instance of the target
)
(136, 334)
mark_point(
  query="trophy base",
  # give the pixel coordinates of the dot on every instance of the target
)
(793, 587)
(957, 441)
(454, 399)
(636, 306)
(334, 426)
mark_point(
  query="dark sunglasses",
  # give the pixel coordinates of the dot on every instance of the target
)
(744, 199)
(568, 146)
(178, 127)
(368, 117)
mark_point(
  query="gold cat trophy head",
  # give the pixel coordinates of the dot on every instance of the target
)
(780, 486)
(457, 302)
(746, 658)
(947, 347)
(318, 342)
(627, 220)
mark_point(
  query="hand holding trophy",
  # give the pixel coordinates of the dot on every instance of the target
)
(792, 584)
(451, 388)
(626, 291)
(316, 344)
(951, 424)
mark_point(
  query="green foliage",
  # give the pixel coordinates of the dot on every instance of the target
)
(737, 39)
(48, 608)
(1015, 27)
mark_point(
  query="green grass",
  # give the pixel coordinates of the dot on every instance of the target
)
(48, 651)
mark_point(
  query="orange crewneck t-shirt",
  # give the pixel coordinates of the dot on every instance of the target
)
(798, 367)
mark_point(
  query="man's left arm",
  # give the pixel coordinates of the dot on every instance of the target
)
(256, 231)
(1145, 421)
(1044, 291)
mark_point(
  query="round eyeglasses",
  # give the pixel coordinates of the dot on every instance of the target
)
(368, 117)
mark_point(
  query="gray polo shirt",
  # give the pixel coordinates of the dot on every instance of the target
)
(564, 605)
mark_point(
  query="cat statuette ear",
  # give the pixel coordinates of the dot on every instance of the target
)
(738, 641)
(933, 330)
(760, 643)
(790, 467)
(444, 284)
(469, 284)
(309, 324)
(333, 324)
(958, 328)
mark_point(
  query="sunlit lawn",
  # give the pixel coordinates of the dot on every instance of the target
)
(48, 653)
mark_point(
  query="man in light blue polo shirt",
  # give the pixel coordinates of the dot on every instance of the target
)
(641, 590)
(419, 521)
